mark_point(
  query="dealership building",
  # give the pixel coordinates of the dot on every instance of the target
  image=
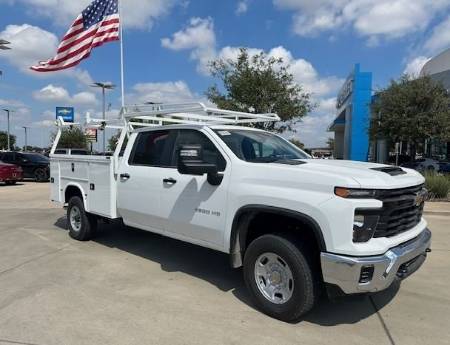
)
(351, 125)
(352, 122)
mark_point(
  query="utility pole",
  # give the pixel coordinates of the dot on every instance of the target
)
(104, 87)
(26, 138)
(7, 114)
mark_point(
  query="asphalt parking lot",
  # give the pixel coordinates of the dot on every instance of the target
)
(133, 287)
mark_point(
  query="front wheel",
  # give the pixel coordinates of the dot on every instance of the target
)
(279, 278)
(82, 225)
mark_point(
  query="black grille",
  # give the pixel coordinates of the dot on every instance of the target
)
(400, 211)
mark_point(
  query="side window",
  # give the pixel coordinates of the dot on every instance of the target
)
(153, 148)
(210, 152)
(8, 157)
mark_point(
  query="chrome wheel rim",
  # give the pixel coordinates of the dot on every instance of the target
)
(75, 218)
(274, 278)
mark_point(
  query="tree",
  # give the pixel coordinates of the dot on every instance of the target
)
(72, 138)
(297, 143)
(259, 84)
(330, 143)
(4, 140)
(411, 110)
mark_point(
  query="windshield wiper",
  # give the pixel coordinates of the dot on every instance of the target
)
(290, 161)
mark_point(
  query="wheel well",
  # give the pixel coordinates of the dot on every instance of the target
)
(253, 223)
(72, 191)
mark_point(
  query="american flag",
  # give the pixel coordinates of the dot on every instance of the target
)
(97, 24)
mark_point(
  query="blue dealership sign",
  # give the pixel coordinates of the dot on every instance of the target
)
(67, 113)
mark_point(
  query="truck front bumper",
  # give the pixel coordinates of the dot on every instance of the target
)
(375, 273)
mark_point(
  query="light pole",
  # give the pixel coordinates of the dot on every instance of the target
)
(7, 114)
(104, 87)
(26, 138)
(4, 46)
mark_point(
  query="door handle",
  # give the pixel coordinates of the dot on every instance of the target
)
(124, 176)
(169, 181)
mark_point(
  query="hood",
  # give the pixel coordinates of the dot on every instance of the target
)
(368, 175)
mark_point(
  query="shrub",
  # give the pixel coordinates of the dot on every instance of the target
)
(438, 185)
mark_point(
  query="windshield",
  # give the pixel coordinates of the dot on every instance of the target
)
(260, 147)
(36, 158)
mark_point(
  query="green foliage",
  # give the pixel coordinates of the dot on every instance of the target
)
(112, 142)
(297, 143)
(438, 185)
(330, 143)
(4, 140)
(412, 110)
(262, 85)
(72, 138)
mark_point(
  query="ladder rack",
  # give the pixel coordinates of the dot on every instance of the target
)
(151, 115)
(190, 113)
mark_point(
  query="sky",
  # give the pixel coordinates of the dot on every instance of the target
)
(168, 44)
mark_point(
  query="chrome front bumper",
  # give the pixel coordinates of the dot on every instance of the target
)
(398, 262)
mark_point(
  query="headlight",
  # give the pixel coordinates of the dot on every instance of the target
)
(364, 226)
(355, 193)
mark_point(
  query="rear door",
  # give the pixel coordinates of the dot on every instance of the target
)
(141, 179)
(26, 164)
(192, 208)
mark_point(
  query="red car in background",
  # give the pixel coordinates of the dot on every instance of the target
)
(10, 173)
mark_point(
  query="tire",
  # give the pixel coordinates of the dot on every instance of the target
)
(82, 225)
(40, 175)
(300, 290)
(10, 183)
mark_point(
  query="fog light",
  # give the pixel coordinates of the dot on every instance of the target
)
(364, 227)
(366, 274)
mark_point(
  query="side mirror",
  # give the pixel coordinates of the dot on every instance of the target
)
(190, 161)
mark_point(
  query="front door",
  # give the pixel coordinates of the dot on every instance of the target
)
(140, 180)
(192, 208)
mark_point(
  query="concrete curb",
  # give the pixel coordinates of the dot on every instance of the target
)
(437, 213)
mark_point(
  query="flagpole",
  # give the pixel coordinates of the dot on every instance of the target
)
(122, 78)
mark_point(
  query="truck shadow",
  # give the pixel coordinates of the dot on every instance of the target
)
(214, 267)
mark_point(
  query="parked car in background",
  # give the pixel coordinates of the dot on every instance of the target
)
(34, 165)
(423, 164)
(10, 173)
(444, 167)
(427, 164)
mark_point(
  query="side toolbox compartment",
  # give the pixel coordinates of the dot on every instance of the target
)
(55, 181)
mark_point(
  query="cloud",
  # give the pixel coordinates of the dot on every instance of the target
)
(414, 66)
(440, 37)
(29, 44)
(370, 18)
(199, 37)
(163, 92)
(136, 14)
(312, 130)
(20, 113)
(242, 7)
(58, 94)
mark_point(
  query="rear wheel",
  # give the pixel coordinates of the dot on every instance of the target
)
(82, 225)
(40, 175)
(279, 278)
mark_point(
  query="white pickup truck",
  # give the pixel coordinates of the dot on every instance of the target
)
(295, 224)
